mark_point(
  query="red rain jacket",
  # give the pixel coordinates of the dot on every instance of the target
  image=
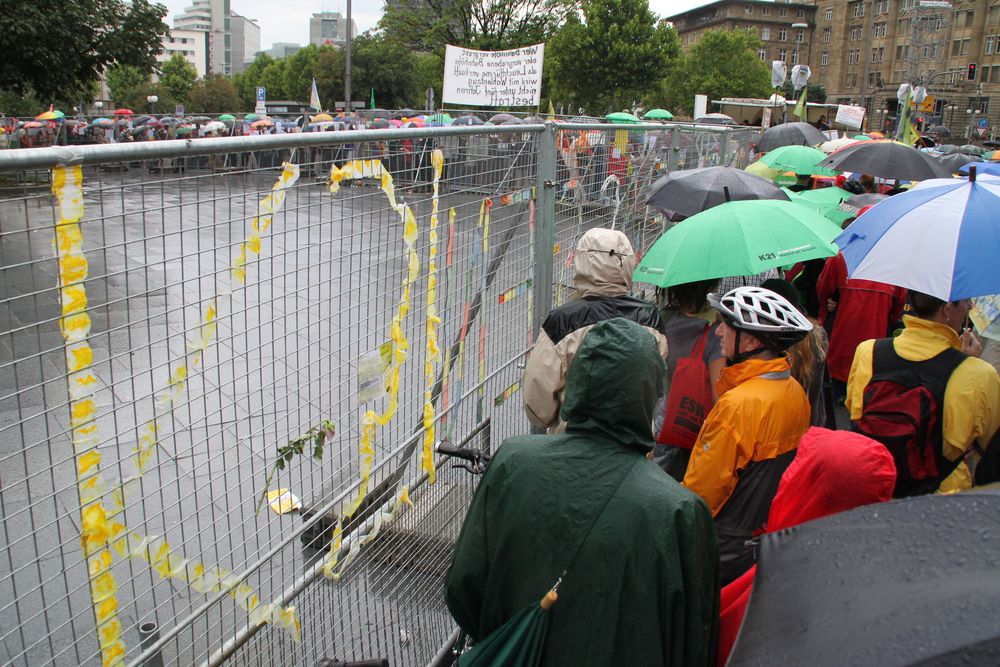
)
(833, 471)
(865, 309)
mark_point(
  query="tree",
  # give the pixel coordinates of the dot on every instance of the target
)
(177, 76)
(330, 75)
(389, 68)
(124, 82)
(300, 69)
(478, 24)
(58, 51)
(273, 78)
(611, 58)
(814, 93)
(246, 82)
(214, 94)
(723, 63)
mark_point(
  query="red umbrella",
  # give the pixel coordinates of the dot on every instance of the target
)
(123, 112)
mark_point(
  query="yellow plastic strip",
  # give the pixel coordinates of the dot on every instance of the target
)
(67, 186)
(432, 352)
(382, 519)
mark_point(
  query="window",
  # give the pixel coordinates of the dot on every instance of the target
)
(881, 54)
(956, 47)
(879, 30)
(873, 77)
(996, 73)
(874, 55)
(899, 52)
(828, 14)
(800, 36)
(990, 41)
(858, 9)
(994, 13)
(826, 35)
(795, 57)
(800, 13)
(825, 59)
(782, 35)
(783, 55)
(762, 54)
(765, 33)
(748, 9)
(766, 11)
(782, 11)
(965, 46)
(969, 19)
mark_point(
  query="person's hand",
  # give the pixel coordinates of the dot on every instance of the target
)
(831, 305)
(970, 344)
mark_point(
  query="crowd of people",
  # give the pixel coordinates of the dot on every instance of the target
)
(679, 432)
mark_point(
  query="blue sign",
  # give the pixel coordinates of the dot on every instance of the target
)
(261, 93)
(983, 122)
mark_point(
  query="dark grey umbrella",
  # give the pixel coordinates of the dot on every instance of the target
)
(512, 121)
(468, 119)
(955, 161)
(790, 134)
(939, 131)
(946, 149)
(909, 582)
(501, 118)
(404, 113)
(969, 149)
(379, 113)
(691, 191)
(858, 202)
(886, 159)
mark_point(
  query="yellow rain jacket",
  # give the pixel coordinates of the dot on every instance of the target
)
(971, 398)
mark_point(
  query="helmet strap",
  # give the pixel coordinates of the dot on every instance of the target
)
(740, 357)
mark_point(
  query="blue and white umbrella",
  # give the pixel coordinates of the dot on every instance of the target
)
(941, 238)
(990, 168)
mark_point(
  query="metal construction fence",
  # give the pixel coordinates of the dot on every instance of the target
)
(188, 325)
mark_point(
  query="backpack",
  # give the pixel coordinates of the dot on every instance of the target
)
(904, 409)
(690, 398)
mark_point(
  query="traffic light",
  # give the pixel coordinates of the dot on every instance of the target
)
(971, 75)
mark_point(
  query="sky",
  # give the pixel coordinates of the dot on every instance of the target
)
(288, 20)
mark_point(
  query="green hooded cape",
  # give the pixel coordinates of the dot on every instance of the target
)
(644, 587)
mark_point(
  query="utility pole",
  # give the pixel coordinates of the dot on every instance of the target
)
(866, 54)
(347, 63)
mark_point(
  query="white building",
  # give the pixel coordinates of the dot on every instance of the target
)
(245, 41)
(330, 28)
(192, 44)
(213, 18)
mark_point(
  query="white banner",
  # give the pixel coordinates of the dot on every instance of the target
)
(778, 73)
(493, 78)
(850, 116)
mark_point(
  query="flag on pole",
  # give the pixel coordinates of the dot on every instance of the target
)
(909, 134)
(800, 108)
(373, 98)
(552, 111)
(314, 98)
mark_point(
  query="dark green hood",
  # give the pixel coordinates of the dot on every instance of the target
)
(613, 383)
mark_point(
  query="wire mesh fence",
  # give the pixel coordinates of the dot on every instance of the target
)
(177, 319)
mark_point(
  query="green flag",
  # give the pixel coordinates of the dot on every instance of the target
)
(800, 108)
(373, 98)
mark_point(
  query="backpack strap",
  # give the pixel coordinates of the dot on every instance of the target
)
(932, 373)
(698, 351)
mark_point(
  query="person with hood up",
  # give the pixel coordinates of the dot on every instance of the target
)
(604, 262)
(749, 437)
(635, 551)
(833, 471)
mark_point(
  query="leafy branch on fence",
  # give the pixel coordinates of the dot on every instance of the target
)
(318, 435)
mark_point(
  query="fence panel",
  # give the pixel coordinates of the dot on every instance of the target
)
(174, 316)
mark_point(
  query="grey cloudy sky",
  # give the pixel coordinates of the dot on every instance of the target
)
(288, 20)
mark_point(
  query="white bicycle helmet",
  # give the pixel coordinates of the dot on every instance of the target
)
(766, 315)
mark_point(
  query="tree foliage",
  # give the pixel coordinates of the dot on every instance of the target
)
(246, 82)
(214, 94)
(479, 24)
(177, 77)
(388, 68)
(58, 50)
(723, 63)
(814, 92)
(614, 56)
(125, 82)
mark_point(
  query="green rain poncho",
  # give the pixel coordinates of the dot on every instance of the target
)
(644, 587)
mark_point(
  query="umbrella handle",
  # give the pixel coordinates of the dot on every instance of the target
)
(549, 600)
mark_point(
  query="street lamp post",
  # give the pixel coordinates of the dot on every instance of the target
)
(152, 100)
(803, 26)
(951, 115)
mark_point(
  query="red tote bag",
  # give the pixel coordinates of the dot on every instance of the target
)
(690, 398)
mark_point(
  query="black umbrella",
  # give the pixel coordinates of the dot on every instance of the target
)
(886, 159)
(379, 124)
(691, 191)
(909, 582)
(501, 118)
(380, 113)
(790, 134)
(858, 202)
(991, 144)
(969, 149)
(939, 131)
(404, 113)
(956, 161)
(468, 119)
(513, 121)
(946, 149)
(534, 120)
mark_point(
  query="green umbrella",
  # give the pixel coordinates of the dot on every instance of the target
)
(227, 116)
(250, 117)
(622, 117)
(825, 201)
(442, 118)
(739, 238)
(861, 137)
(517, 643)
(799, 159)
(658, 114)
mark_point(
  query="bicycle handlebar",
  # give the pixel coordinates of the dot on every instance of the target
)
(470, 454)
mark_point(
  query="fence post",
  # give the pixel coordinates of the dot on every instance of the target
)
(672, 164)
(545, 226)
(724, 149)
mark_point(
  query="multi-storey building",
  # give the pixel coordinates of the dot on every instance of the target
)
(245, 42)
(330, 28)
(213, 18)
(861, 51)
(192, 44)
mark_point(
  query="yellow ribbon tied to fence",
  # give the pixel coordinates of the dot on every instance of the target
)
(432, 352)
